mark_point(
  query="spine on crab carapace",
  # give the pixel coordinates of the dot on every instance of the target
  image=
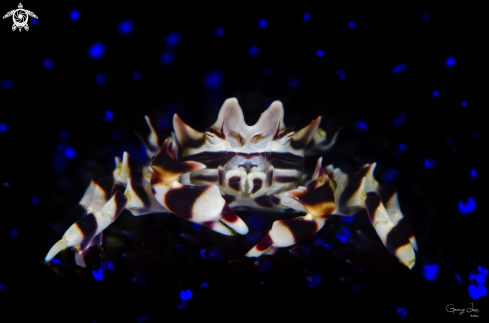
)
(165, 168)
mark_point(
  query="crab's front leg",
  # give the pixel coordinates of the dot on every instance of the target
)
(199, 204)
(81, 233)
(317, 200)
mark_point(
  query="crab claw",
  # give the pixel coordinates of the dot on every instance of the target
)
(81, 233)
(202, 205)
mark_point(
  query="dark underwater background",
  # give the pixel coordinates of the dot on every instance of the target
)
(406, 82)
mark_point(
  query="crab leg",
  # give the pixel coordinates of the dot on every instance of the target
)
(318, 201)
(360, 190)
(85, 229)
(199, 204)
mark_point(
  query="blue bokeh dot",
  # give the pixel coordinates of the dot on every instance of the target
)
(48, 63)
(96, 50)
(253, 51)
(6, 84)
(166, 58)
(262, 23)
(220, 32)
(3, 127)
(35, 200)
(125, 27)
(450, 62)
(100, 79)
(74, 15)
(14, 233)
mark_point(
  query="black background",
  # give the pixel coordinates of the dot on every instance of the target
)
(43, 102)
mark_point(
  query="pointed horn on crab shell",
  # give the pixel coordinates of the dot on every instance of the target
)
(230, 117)
(302, 137)
(187, 136)
(271, 120)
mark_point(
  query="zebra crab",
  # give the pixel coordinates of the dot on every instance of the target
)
(201, 177)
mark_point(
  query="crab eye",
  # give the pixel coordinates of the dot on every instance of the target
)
(235, 139)
(260, 140)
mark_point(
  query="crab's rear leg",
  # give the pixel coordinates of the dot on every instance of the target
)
(360, 190)
(199, 204)
(317, 199)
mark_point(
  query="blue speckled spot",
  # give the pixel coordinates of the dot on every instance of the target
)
(204, 284)
(96, 50)
(262, 23)
(464, 104)
(254, 237)
(48, 63)
(479, 278)
(477, 291)
(136, 76)
(211, 254)
(213, 79)
(431, 271)
(343, 235)
(6, 84)
(14, 233)
(468, 207)
(402, 312)
(429, 163)
(3, 127)
(35, 200)
(220, 32)
(347, 219)
(75, 15)
(142, 319)
(399, 68)
(341, 75)
(458, 278)
(294, 83)
(320, 52)
(306, 16)
(166, 58)
(108, 116)
(98, 274)
(390, 174)
(125, 27)
(482, 270)
(450, 62)
(253, 51)
(399, 119)
(352, 25)
(100, 79)
(321, 243)
(361, 125)
(70, 153)
(313, 279)
(436, 94)
(173, 39)
(56, 261)
(185, 295)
